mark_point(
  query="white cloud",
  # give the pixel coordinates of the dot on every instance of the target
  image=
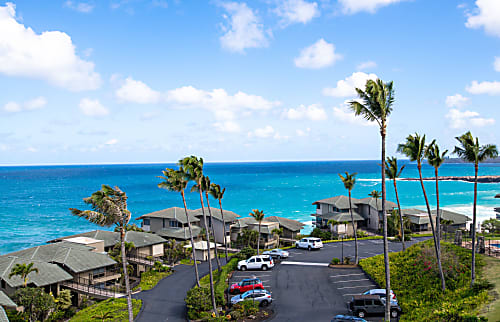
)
(111, 142)
(344, 114)
(487, 16)
(346, 87)
(244, 29)
(82, 7)
(459, 119)
(312, 112)
(490, 88)
(496, 64)
(300, 132)
(227, 127)
(366, 65)
(319, 55)
(456, 100)
(371, 6)
(296, 11)
(49, 56)
(137, 92)
(262, 133)
(34, 104)
(92, 107)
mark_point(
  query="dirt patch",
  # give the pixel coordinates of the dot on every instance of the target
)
(343, 266)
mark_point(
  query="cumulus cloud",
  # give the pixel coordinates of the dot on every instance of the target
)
(456, 100)
(92, 107)
(461, 119)
(227, 127)
(371, 6)
(366, 65)
(111, 142)
(496, 64)
(343, 114)
(490, 88)
(296, 11)
(486, 15)
(83, 7)
(305, 132)
(49, 56)
(262, 133)
(312, 112)
(319, 55)
(34, 104)
(137, 92)
(243, 29)
(346, 87)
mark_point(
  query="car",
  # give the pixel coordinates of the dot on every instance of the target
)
(309, 243)
(246, 285)
(262, 262)
(262, 296)
(276, 253)
(381, 292)
(347, 318)
(363, 305)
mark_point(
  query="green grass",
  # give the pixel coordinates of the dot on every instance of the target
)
(186, 261)
(492, 273)
(150, 279)
(116, 307)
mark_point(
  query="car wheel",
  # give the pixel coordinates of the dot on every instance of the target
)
(394, 313)
(309, 248)
(361, 314)
(243, 268)
(264, 303)
(297, 246)
(264, 268)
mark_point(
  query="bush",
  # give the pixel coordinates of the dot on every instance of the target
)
(318, 233)
(108, 310)
(361, 233)
(198, 301)
(335, 261)
(151, 278)
(243, 309)
(246, 253)
(37, 304)
(347, 260)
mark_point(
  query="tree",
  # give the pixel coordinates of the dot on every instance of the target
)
(393, 171)
(175, 180)
(331, 223)
(377, 195)
(349, 181)
(109, 207)
(492, 225)
(193, 167)
(435, 159)
(37, 304)
(414, 148)
(218, 194)
(395, 227)
(23, 270)
(375, 105)
(104, 315)
(277, 232)
(469, 150)
(205, 187)
(258, 215)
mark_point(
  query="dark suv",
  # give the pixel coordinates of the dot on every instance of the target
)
(363, 305)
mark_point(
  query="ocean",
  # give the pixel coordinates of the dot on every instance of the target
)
(34, 200)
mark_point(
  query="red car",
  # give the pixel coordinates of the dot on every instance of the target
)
(246, 285)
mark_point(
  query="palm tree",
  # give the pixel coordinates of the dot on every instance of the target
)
(23, 270)
(109, 207)
(193, 167)
(470, 151)
(393, 171)
(414, 148)
(205, 186)
(435, 159)
(258, 215)
(377, 195)
(175, 180)
(277, 232)
(349, 181)
(217, 193)
(331, 223)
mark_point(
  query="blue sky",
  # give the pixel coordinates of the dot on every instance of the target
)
(152, 81)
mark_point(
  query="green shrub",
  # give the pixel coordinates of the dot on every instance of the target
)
(244, 309)
(318, 233)
(347, 260)
(361, 233)
(115, 309)
(198, 301)
(246, 253)
(335, 261)
(151, 278)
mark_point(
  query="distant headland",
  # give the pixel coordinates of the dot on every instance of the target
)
(480, 179)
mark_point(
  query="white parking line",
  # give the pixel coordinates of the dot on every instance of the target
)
(349, 281)
(346, 287)
(305, 264)
(347, 275)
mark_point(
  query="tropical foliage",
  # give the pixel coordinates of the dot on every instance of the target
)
(393, 172)
(23, 270)
(114, 310)
(258, 215)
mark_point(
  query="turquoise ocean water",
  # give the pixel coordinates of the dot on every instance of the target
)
(34, 200)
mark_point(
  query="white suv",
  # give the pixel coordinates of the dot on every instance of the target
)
(309, 243)
(263, 262)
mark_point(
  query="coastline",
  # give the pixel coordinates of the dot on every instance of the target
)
(480, 179)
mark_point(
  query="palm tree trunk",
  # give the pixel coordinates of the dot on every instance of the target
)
(436, 247)
(192, 241)
(207, 234)
(258, 242)
(438, 214)
(354, 230)
(401, 223)
(473, 265)
(224, 228)
(213, 230)
(125, 274)
(384, 227)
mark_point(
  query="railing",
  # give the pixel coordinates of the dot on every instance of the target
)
(143, 260)
(491, 247)
(84, 285)
(108, 275)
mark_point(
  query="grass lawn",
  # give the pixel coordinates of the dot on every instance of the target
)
(186, 261)
(492, 273)
(114, 309)
(150, 279)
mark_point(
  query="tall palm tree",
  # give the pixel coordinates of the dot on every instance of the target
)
(277, 232)
(393, 171)
(349, 181)
(175, 180)
(205, 187)
(414, 148)
(331, 223)
(435, 158)
(375, 104)
(470, 151)
(23, 270)
(217, 193)
(377, 195)
(258, 215)
(193, 167)
(109, 207)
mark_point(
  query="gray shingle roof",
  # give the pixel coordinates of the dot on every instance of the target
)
(110, 238)
(341, 216)
(341, 202)
(6, 301)
(412, 211)
(290, 224)
(47, 273)
(179, 233)
(229, 216)
(172, 213)
(376, 204)
(458, 219)
(3, 315)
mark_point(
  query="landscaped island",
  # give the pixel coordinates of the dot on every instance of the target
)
(480, 179)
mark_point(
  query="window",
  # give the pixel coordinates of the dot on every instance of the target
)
(377, 302)
(318, 206)
(259, 260)
(252, 260)
(174, 223)
(368, 302)
(3, 284)
(359, 303)
(146, 222)
(164, 223)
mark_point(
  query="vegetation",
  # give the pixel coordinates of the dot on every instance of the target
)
(175, 252)
(349, 181)
(394, 226)
(415, 280)
(435, 159)
(38, 305)
(205, 187)
(217, 193)
(492, 225)
(319, 233)
(109, 207)
(491, 272)
(150, 278)
(393, 171)
(258, 215)
(23, 270)
(248, 238)
(246, 253)
(108, 310)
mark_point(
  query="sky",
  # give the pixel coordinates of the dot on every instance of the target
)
(122, 81)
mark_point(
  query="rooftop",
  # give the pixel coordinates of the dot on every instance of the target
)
(6, 301)
(111, 238)
(229, 216)
(179, 233)
(202, 245)
(82, 240)
(176, 213)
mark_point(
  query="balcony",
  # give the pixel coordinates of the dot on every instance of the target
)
(107, 276)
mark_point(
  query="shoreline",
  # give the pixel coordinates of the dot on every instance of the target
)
(480, 179)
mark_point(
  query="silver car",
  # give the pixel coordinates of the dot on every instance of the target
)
(262, 296)
(276, 253)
